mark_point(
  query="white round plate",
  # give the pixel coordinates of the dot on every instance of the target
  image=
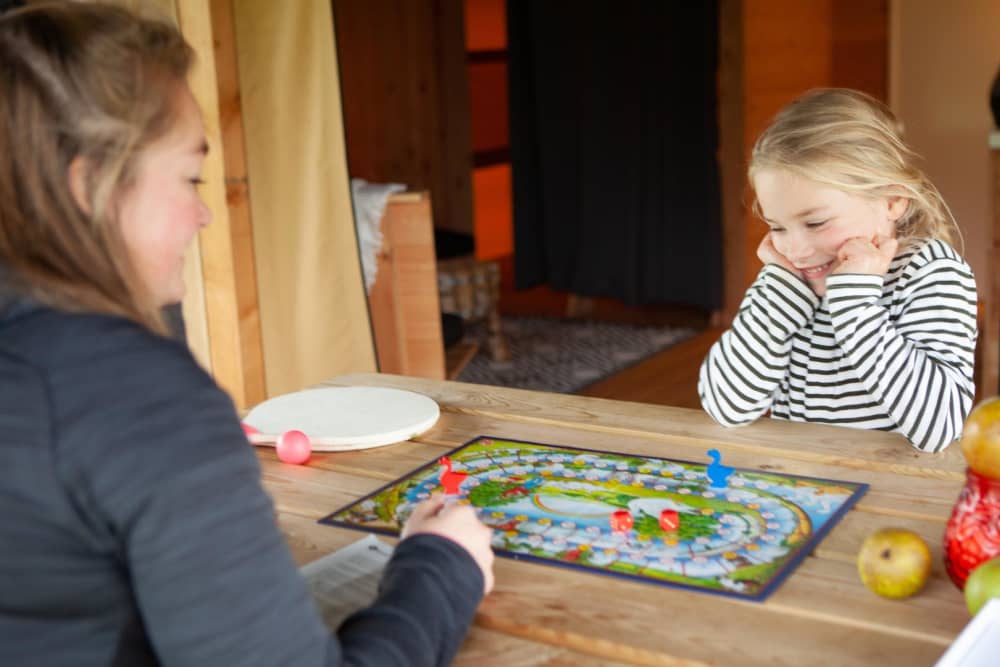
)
(343, 418)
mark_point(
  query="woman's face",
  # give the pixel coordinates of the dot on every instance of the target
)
(162, 210)
(810, 222)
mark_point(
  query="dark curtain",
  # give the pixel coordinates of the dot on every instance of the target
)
(613, 148)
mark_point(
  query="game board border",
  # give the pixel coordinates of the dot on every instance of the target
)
(790, 565)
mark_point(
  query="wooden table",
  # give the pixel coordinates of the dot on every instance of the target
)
(543, 615)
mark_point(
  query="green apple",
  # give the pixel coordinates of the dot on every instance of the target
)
(983, 583)
(894, 563)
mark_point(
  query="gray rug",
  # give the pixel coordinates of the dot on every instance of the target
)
(565, 356)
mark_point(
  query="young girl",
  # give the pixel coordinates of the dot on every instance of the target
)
(135, 530)
(864, 315)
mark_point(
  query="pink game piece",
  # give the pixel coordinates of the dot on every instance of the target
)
(249, 430)
(293, 447)
(670, 520)
(621, 521)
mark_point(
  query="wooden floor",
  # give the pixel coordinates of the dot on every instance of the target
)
(667, 378)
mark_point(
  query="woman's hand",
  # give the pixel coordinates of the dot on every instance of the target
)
(868, 256)
(459, 524)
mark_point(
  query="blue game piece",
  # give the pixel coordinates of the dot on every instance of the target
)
(717, 473)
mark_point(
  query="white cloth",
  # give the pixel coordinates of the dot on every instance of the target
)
(369, 201)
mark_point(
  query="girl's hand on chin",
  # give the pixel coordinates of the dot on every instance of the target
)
(868, 256)
(767, 253)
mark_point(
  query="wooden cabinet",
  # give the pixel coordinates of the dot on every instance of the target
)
(406, 100)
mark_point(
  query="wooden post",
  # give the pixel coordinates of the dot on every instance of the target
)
(216, 240)
(237, 198)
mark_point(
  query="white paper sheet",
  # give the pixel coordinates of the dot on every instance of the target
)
(346, 580)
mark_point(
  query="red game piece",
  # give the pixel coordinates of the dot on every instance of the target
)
(670, 520)
(450, 479)
(293, 447)
(621, 521)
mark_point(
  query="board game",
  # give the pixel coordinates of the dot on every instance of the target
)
(559, 505)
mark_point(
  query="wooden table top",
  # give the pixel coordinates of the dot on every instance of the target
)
(544, 615)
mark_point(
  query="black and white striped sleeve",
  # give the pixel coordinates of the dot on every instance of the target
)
(917, 366)
(739, 376)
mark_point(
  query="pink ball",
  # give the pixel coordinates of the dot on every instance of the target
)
(293, 447)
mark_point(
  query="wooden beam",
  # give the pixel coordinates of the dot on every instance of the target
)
(216, 240)
(238, 201)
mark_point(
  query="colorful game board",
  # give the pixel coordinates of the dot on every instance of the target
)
(552, 504)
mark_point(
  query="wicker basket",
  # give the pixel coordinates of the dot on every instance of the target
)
(470, 289)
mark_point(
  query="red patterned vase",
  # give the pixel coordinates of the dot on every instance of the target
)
(973, 532)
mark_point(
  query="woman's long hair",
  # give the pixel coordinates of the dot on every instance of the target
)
(90, 85)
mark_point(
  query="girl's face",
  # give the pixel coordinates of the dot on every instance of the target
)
(162, 210)
(810, 222)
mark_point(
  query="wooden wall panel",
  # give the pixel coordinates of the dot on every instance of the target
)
(860, 46)
(787, 50)
(453, 178)
(944, 61)
(406, 115)
(989, 290)
(791, 46)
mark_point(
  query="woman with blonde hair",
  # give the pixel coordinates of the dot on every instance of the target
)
(864, 314)
(135, 528)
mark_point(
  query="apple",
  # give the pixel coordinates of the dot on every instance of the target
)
(983, 583)
(894, 563)
(981, 438)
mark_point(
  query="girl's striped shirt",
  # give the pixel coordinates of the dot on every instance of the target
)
(891, 352)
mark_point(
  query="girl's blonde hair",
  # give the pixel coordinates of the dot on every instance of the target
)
(83, 81)
(852, 142)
